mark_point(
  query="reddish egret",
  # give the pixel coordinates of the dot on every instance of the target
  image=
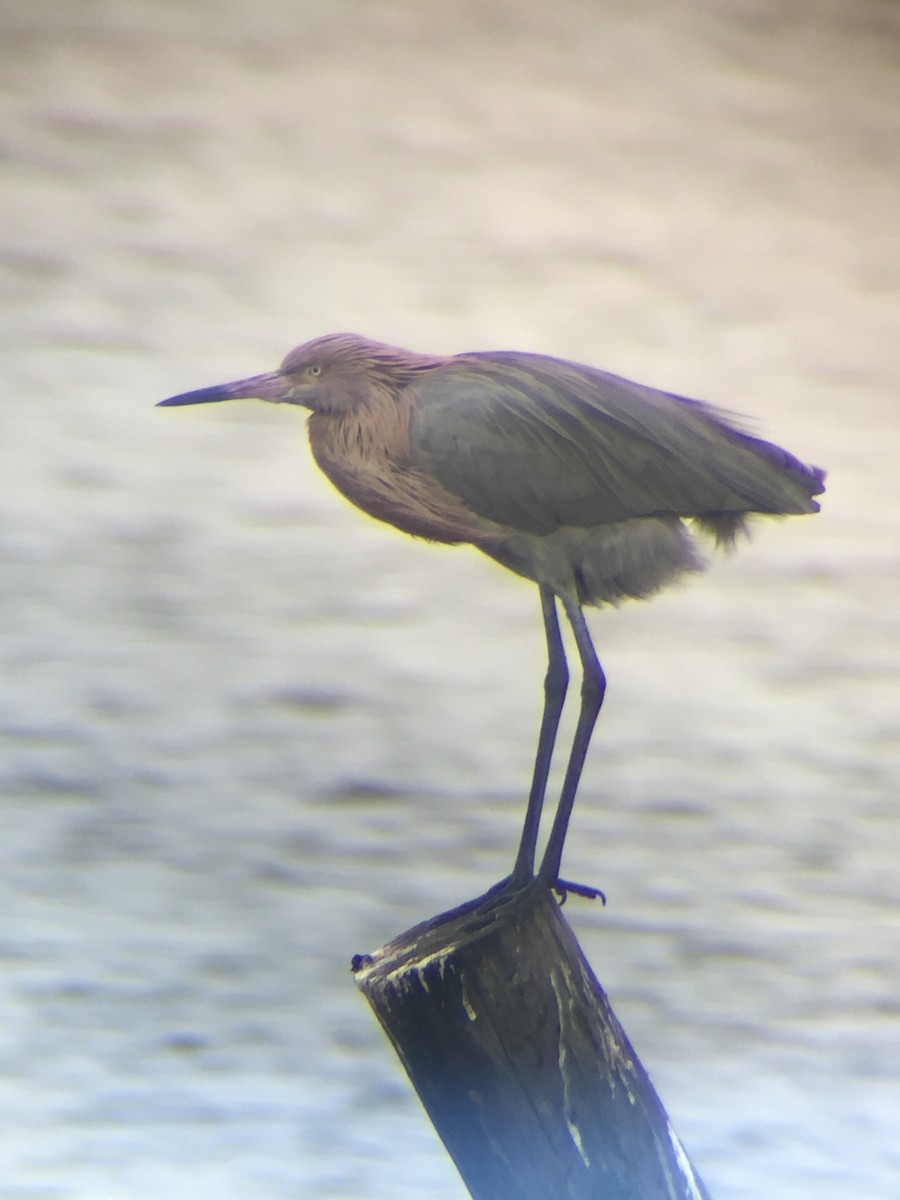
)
(569, 476)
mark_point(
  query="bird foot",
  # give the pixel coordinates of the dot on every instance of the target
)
(562, 888)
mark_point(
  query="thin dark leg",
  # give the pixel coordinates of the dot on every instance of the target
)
(556, 682)
(593, 688)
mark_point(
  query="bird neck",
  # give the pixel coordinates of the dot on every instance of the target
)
(370, 432)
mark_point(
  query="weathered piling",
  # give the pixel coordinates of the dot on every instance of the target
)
(523, 1068)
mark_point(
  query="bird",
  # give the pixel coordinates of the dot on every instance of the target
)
(596, 488)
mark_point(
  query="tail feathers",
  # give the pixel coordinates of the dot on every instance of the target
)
(809, 481)
(769, 481)
(790, 492)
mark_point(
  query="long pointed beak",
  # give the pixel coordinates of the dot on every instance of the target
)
(273, 387)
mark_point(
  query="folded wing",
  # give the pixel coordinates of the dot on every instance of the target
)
(535, 443)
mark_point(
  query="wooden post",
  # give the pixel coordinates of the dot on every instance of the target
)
(519, 1060)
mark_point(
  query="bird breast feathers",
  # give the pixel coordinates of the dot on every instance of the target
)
(365, 454)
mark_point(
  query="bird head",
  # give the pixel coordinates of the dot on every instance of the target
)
(334, 374)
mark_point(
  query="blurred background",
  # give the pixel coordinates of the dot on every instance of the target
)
(247, 733)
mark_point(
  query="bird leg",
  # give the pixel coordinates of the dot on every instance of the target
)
(556, 681)
(593, 687)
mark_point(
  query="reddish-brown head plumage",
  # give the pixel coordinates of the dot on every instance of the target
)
(338, 371)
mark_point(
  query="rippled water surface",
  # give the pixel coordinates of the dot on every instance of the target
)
(247, 733)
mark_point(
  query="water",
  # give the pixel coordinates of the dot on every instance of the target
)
(247, 733)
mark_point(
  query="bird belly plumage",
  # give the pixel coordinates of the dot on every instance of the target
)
(603, 564)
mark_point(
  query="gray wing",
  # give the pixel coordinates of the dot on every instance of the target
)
(535, 443)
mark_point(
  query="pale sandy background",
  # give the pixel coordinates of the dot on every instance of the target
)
(247, 733)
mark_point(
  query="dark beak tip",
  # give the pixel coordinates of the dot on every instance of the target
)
(204, 396)
(178, 401)
(259, 387)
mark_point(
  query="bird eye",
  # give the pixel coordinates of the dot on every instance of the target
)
(315, 370)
